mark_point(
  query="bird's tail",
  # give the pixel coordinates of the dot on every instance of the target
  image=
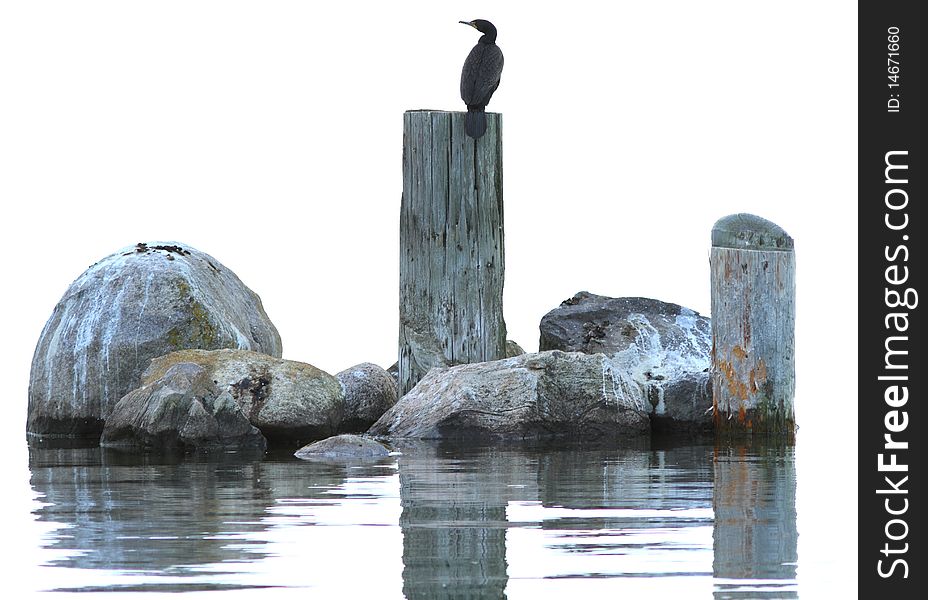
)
(475, 122)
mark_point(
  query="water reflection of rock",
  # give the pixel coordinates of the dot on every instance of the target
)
(455, 500)
(163, 516)
(588, 512)
(650, 499)
(755, 535)
(662, 477)
(454, 518)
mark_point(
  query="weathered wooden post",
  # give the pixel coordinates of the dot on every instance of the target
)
(752, 265)
(451, 245)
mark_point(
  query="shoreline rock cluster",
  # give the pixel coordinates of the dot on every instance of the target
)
(287, 403)
(159, 346)
(137, 304)
(608, 367)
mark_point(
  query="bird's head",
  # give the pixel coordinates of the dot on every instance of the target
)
(482, 26)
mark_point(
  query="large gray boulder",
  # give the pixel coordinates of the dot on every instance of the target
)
(292, 403)
(532, 395)
(132, 306)
(665, 348)
(369, 392)
(182, 409)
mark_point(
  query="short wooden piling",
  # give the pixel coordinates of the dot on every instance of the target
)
(451, 245)
(752, 269)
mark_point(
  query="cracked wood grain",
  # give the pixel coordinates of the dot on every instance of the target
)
(451, 245)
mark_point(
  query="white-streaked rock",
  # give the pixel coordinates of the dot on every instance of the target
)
(134, 305)
(663, 347)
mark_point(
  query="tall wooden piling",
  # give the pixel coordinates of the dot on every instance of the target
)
(752, 269)
(451, 245)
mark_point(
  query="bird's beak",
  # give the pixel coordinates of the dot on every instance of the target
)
(468, 23)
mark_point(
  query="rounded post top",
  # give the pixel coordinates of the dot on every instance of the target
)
(744, 230)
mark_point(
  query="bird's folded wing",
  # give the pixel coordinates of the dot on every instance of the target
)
(481, 74)
(490, 71)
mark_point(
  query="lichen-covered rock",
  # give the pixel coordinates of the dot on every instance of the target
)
(513, 349)
(344, 446)
(532, 395)
(292, 403)
(369, 392)
(139, 303)
(663, 347)
(180, 410)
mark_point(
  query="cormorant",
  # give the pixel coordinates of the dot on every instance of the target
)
(480, 77)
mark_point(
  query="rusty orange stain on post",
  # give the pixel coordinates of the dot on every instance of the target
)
(761, 370)
(736, 387)
(739, 352)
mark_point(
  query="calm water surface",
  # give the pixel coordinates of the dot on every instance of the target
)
(437, 520)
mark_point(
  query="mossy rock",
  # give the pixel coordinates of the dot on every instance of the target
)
(291, 402)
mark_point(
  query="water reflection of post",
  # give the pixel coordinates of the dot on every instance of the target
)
(454, 521)
(754, 536)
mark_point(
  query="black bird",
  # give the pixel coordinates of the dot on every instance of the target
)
(480, 77)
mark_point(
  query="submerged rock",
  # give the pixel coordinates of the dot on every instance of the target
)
(665, 348)
(182, 409)
(132, 306)
(369, 392)
(532, 395)
(343, 446)
(292, 403)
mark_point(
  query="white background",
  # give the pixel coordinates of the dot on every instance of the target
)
(269, 135)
